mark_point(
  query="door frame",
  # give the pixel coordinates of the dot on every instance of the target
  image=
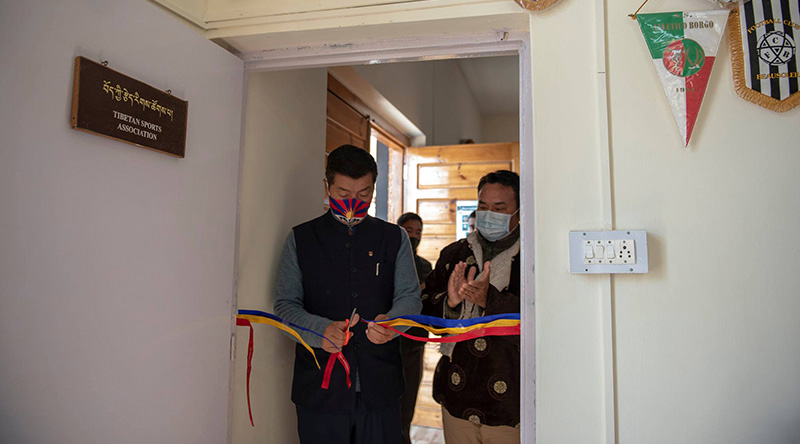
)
(439, 47)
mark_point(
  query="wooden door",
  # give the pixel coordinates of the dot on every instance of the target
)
(438, 176)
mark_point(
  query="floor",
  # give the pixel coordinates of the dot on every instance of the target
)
(426, 435)
(426, 427)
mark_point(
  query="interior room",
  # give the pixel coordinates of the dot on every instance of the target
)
(122, 269)
(446, 123)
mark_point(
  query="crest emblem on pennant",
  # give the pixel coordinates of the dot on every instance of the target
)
(683, 46)
(763, 37)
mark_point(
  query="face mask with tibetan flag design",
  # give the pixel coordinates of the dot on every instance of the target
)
(349, 211)
(683, 46)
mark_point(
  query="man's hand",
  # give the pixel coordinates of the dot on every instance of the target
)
(378, 334)
(335, 332)
(454, 284)
(475, 291)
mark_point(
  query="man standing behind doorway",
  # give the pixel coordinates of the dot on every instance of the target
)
(412, 351)
(329, 266)
(477, 381)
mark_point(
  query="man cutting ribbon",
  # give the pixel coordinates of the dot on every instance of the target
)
(331, 265)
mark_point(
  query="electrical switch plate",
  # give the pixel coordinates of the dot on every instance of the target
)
(606, 252)
(617, 251)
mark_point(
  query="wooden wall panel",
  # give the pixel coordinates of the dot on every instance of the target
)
(430, 229)
(437, 211)
(346, 117)
(439, 176)
(455, 175)
(345, 125)
(335, 137)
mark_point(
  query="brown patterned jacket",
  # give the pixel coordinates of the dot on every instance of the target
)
(480, 383)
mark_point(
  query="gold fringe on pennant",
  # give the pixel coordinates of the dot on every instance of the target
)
(737, 65)
(536, 5)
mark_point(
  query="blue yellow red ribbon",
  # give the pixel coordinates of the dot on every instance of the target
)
(449, 323)
(245, 319)
(263, 317)
(506, 324)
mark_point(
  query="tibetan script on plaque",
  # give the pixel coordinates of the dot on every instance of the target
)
(114, 105)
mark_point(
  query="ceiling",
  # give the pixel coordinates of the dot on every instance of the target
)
(494, 82)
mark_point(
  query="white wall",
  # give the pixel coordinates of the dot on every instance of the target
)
(116, 263)
(707, 341)
(567, 185)
(500, 128)
(456, 115)
(283, 167)
(433, 95)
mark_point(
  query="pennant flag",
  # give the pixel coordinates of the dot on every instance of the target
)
(683, 46)
(763, 38)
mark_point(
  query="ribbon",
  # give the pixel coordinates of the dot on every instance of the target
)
(472, 334)
(452, 330)
(246, 323)
(245, 318)
(441, 322)
(262, 317)
(507, 324)
(326, 377)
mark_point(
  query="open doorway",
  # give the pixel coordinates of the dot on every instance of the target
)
(288, 105)
(462, 118)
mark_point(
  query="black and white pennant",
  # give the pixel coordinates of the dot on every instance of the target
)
(765, 49)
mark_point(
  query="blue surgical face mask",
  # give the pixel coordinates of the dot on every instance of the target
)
(493, 226)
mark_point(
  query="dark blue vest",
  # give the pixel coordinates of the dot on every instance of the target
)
(345, 269)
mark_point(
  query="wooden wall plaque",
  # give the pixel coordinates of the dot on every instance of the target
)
(114, 105)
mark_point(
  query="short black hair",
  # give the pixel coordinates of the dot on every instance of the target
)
(352, 162)
(473, 214)
(408, 217)
(503, 177)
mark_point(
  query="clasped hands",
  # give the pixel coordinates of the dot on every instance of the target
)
(461, 287)
(337, 331)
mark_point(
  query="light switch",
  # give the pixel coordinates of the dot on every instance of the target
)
(588, 252)
(610, 252)
(599, 251)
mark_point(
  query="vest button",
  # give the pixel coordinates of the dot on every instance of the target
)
(353, 270)
(355, 346)
(347, 245)
(355, 295)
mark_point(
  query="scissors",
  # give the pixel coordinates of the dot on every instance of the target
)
(348, 324)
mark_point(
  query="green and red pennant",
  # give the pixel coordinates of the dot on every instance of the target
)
(683, 46)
